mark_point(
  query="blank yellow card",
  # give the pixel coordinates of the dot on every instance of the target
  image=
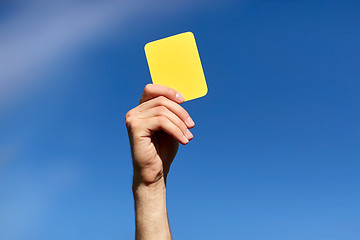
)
(174, 62)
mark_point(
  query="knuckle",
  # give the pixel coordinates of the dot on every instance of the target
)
(171, 92)
(128, 118)
(128, 114)
(148, 88)
(162, 119)
(161, 110)
(128, 122)
(161, 100)
(133, 124)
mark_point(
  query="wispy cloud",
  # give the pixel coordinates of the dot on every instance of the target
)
(37, 34)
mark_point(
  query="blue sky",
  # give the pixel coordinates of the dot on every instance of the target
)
(276, 145)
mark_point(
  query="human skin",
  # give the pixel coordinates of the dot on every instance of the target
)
(155, 128)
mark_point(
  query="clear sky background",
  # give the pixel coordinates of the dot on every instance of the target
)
(276, 148)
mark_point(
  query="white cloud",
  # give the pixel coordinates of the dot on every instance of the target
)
(40, 32)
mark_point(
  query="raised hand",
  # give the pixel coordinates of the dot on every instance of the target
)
(155, 128)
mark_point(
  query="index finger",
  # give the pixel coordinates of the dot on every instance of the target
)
(155, 90)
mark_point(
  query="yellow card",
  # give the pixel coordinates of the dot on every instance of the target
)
(175, 62)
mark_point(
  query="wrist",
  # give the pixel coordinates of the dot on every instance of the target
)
(149, 179)
(140, 186)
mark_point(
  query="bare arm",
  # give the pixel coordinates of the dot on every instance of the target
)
(155, 128)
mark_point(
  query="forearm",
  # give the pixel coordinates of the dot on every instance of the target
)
(155, 129)
(150, 211)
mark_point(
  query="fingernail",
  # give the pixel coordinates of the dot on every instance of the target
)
(189, 122)
(186, 140)
(188, 134)
(180, 97)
